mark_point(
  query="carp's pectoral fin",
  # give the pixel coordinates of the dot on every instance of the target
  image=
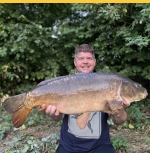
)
(83, 119)
(20, 116)
(115, 104)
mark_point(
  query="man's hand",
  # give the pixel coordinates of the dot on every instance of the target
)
(118, 116)
(53, 112)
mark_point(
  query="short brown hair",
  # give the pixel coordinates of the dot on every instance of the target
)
(84, 48)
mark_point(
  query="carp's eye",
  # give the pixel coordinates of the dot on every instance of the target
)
(138, 85)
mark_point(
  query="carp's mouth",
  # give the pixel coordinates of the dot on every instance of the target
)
(145, 94)
(127, 102)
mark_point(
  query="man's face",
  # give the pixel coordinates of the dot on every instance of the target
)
(84, 62)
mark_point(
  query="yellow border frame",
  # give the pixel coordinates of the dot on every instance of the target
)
(73, 1)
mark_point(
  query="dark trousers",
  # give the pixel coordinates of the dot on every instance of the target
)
(101, 149)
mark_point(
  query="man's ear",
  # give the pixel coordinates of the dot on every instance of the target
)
(75, 62)
(95, 62)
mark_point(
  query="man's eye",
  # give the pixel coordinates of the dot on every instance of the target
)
(90, 58)
(80, 58)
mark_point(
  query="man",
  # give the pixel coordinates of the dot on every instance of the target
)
(95, 137)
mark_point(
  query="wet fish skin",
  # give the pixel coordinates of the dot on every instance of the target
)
(75, 94)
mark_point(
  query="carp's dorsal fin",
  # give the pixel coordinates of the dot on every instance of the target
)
(83, 119)
(20, 116)
(115, 104)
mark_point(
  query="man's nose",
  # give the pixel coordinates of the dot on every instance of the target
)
(85, 60)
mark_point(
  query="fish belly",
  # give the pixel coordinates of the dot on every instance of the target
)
(87, 101)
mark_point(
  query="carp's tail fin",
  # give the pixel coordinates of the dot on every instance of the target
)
(20, 116)
(15, 106)
(12, 104)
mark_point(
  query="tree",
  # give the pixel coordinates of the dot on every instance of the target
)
(27, 49)
(37, 41)
(119, 34)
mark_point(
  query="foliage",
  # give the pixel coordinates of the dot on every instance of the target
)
(37, 42)
(137, 116)
(5, 125)
(52, 141)
(3, 130)
(24, 142)
(34, 146)
(120, 39)
(26, 46)
(119, 143)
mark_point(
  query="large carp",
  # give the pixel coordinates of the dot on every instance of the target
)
(76, 94)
